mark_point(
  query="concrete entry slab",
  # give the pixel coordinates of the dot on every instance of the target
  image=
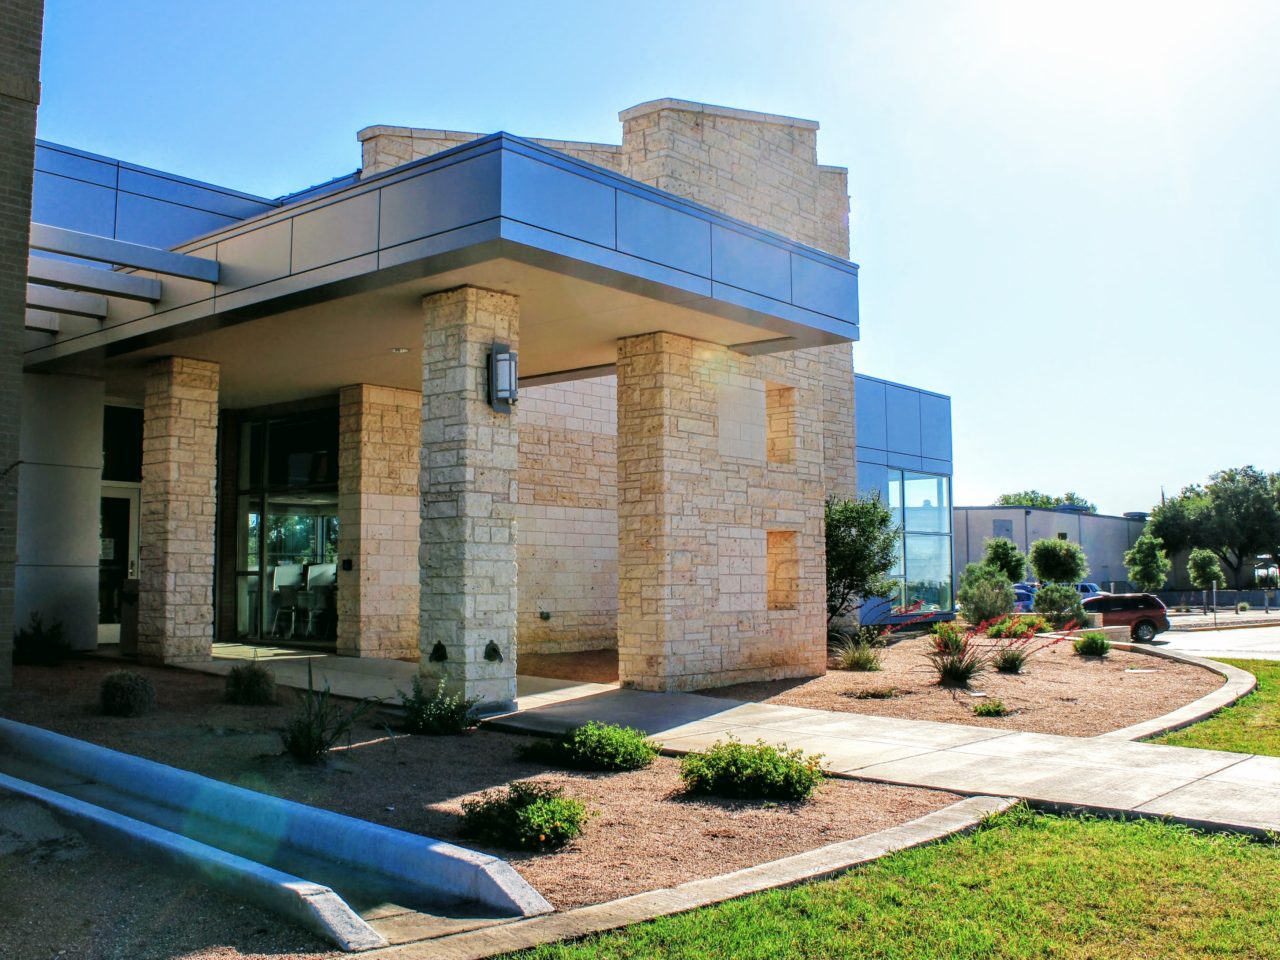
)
(1217, 805)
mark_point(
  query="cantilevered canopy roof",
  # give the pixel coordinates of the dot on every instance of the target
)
(316, 295)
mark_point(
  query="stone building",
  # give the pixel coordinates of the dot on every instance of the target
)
(284, 418)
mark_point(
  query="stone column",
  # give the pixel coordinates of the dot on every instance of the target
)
(378, 523)
(179, 468)
(468, 491)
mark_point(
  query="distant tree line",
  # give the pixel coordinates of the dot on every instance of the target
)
(1045, 501)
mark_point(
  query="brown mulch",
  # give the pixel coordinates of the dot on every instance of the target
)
(641, 836)
(1057, 692)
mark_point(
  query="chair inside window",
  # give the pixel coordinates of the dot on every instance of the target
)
(286, 581)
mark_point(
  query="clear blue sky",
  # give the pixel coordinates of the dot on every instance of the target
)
(1067, 215)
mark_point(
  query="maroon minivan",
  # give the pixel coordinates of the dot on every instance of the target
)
(1143, 614)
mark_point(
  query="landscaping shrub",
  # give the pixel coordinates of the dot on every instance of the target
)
(956, 666)
(852, 654)
(947, 638)
(1003, 554)
(985, 594)
(875, 693)
(596, 746)
(525, 816)
(1092, 644)
(319, 723)
(1010, 658)
(251, 684)
(38, 645)
(1060, 605)
(1058, 561)
(757, 771)
(1242, 607)
(990, 708)
(124, 693)
(1020, 627)
(437, 713)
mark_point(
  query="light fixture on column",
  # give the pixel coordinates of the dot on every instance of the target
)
(503, 377)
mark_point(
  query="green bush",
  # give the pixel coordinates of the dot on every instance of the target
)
(852, 654)
(525, 816)
(957, 664)
(38, 645)
(123, 693)
(1092, 644)
(1021, 627)
(1003, 554)
(947, 638)
(319, 723)
(1060, 605)
(1242, 607)
(595, 746)
(756, 771)
(1010, 658)
(1059, 561)
(436, 713)
(985, 594)
(990, 708)
(251, 684)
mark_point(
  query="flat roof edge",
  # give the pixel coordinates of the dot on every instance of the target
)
(734, 113)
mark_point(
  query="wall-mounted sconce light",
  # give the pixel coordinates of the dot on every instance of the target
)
(504, 377)
(492, 653)
(438, 653)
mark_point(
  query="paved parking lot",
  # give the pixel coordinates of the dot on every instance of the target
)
(1249, 643)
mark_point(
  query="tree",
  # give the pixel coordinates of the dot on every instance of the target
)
(1003, 554)
(985, 594)
(1044, 501)
(1060, 604)
(862, 546)
(1236, 515)
(1203, 569)
(1059, 561)
(1147, 563)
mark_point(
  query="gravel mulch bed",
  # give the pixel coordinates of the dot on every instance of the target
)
(1057, 692)
(641, 836)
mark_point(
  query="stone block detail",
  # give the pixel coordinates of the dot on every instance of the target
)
(568, 547)
(469, 497)
(378, 521)
(179, 468)
(696, 521)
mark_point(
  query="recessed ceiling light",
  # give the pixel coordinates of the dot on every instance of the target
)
(399, 349)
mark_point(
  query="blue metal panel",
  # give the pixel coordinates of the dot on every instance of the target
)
(871, 454)
(50, 159)
(334, 232)
(190, 194)
(935, 426)
(663, 234)
(750, 264)
(930, 465)
(73, 204)
(546, 196)
(822, 287)
(902, 418)
(873, 478)
(158, 223)
(904, 460)
(452, 196)
(869, 408)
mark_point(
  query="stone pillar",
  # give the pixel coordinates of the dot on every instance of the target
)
(179, 468)
(20, 26)
(468, 489)
(378, 523)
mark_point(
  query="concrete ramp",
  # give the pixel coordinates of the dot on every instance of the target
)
(359, 862)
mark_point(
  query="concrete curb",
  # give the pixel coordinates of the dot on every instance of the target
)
(342, 852)
(958, 818)
(1238, 684)
(310, 905)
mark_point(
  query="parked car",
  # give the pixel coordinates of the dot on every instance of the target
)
(1089, 590)
(1023, 599)
(1143, 614)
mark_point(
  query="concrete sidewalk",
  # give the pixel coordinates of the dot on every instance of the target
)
(1249, 643)
(1201, 787)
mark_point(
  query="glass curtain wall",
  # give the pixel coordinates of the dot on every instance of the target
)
(287, 529)
(921, 507)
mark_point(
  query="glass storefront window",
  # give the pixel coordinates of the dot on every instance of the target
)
(926, 503)
(921, 507)
(928, 563)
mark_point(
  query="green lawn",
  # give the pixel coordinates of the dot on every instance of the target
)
(1250, 726)
(1027, 885)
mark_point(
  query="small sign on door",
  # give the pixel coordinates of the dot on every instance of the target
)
(106, 548)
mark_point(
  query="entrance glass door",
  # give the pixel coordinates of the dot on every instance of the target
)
(287, 541)
(117, 556)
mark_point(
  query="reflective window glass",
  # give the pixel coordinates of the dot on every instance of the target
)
(926, 503)
(928, 565)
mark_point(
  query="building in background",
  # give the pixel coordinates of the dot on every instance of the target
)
(1104, 538)
(904, 454)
